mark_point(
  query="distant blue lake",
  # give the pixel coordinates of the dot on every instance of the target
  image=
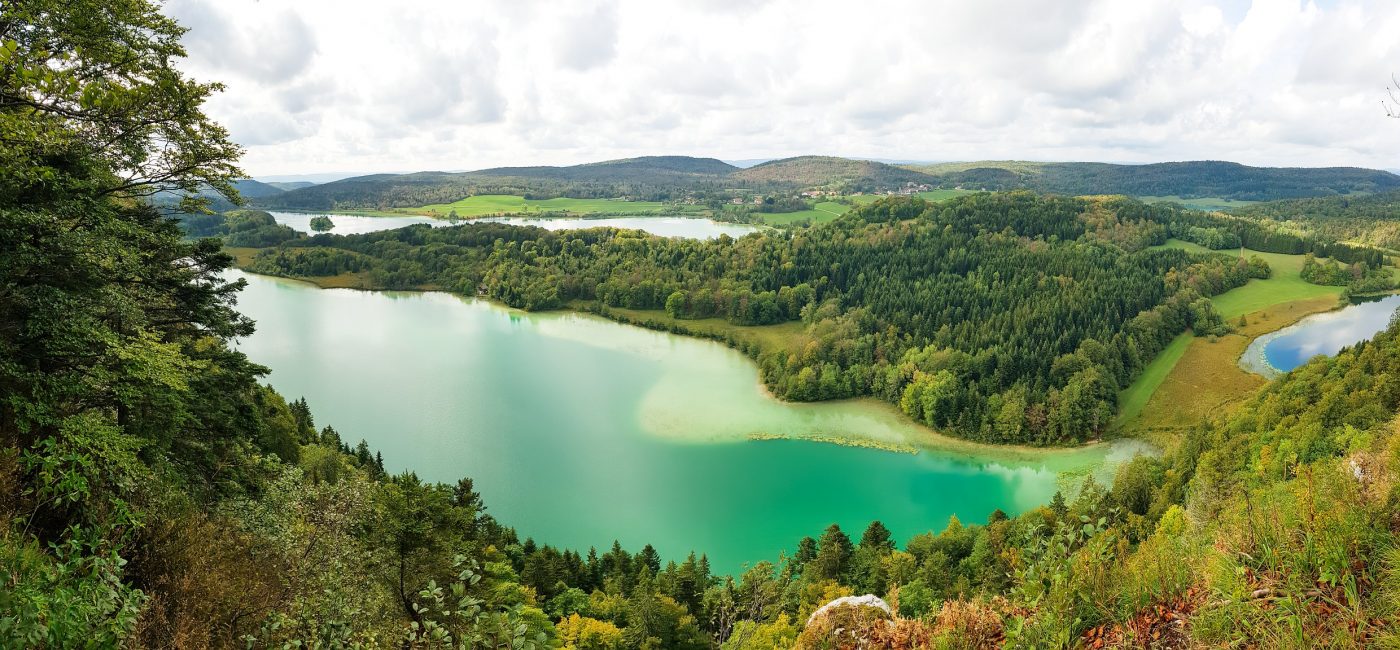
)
(1324, 334)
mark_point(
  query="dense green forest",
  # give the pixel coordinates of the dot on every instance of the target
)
(996, 317)
(1224, 232)
(250, 228)
(1372, 220)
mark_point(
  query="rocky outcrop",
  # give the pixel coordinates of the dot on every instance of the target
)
(868, 600)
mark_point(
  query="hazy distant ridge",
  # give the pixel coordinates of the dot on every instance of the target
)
(675, 177)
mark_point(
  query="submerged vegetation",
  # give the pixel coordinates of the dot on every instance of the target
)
(154, 494)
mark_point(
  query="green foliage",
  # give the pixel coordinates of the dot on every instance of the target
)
(454, 618)
(322, 223)
(1364, 219)
(72, 593)
(754, 635)
(1214, 238)
(583, 633)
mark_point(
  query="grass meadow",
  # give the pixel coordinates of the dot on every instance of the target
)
(1197, 377)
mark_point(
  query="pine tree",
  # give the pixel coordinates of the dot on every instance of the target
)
(877, 537)
(833, 554)
(649, 558)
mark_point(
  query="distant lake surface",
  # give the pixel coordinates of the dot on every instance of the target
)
(1319, 334)
(688, 227)
(347, 224)
(579, 431)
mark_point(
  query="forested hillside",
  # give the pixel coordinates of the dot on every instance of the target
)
(251, 189)
(646, 169)
(820, 171)
(1373, 220)
(996, 317)
(1184, 179)
(290, 185)
(706, 181)
(650, 178)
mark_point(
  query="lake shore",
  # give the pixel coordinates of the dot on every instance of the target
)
(1255, 358)
(873, 423)
(554, 413)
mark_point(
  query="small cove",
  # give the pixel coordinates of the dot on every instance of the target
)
(1318, 334)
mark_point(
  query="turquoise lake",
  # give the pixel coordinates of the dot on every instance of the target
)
(579, 430)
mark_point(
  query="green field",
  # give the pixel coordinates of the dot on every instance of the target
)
(828, 210)
(931, 195)
(943, 195)
(1202, 203)
(1195, 377)
(1284, 286)
(1134, 397)
(820, 212)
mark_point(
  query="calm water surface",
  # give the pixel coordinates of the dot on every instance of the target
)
(346, 224)
(689, 227)
(1324, 334)
(579, 431)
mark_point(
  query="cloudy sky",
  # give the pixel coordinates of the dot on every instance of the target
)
(335, 85)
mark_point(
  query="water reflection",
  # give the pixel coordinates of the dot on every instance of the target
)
(1319, 334)
(688, 227)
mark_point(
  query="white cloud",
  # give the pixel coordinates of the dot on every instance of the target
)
(435, 84)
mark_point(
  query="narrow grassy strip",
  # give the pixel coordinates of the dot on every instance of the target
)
(1132, 399)
(1209, 203)
(1200, 377)
(821, 212)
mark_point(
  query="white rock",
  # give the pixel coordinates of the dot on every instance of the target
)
(868, 600)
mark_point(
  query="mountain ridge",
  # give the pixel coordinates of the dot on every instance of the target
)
(677, 177)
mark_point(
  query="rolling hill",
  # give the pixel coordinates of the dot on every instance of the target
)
(1184, 179)
(655, 178)
(646, 168)
(251, 189)
(668, 178)
(814, 171)
(289, 185)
